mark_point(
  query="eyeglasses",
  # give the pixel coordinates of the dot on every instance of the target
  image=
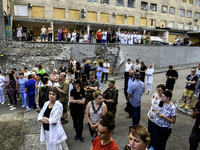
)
(159, 90)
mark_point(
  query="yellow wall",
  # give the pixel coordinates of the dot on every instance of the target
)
(183, 1)
(59, 13)
(74, 14)
(37, 31)
(5, 6)
(38, 11)
(91, 16)
(154, 22)
(130, 20)
(104, 17)
(190, 1)
(194, 39)
(172, 37)
(119, 19)
(165, 23)
(143, 21)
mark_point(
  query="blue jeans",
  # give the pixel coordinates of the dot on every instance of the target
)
(24, 98)
(91, 39)
(43, 36)
(160, 137)
(31, 99)
(135, 114)
(99, 79)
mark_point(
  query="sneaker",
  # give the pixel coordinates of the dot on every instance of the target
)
(183, 105)
(13, 108)
(100, 88)
(10, 106)
(187, 106)
(76, 137)
(28, 109)
(149, 93)
(2, 103)
(23, 106)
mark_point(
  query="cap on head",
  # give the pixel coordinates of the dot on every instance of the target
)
(111, 81)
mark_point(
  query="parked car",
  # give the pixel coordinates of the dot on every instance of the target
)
(158, 41)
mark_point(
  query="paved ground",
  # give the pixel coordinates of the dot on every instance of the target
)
(178, 139)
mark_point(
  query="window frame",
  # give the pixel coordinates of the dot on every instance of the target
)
(180, 12)
(117, 3)
(166, 9)
(172, 8)
(190, 14)
(155, 5)
(145, 6)
(129, 3)
(105, 2)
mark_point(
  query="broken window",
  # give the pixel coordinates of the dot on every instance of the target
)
(144, 5)
(196, 15)
(182, 12)
(164, 9)
(153, 7)
(105, 1)
(189, 14)
(92, 0)
(172, 10)
(180, 25)
(198, 2)
(120, 2)
(131, 3)
(171, 24)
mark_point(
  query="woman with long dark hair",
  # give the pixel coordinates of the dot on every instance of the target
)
(166, 116)
(78, 70)
(11, 91)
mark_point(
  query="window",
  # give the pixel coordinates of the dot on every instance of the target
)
(131, 3)
(196, 15)
(163, 24)
(153, 7)
(120, 2)
(182, 12)
(183, 1)
(92, 0)
(198, 2)
(180, 25)
(152, 22)
(119, 19)
(21, 10)
(105, 1)
(195, 28)
(91, 16)
(189, 14)
(144, 5)
(187, 27)
(130, 20)
(172, 10)
(171, 24)
(143, 21)
(104, 17)
(59, 13)
(164, 9)
(74, 14)
(190, 1)
(38, 11)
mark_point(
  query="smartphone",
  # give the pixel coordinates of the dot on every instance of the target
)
(193, 108)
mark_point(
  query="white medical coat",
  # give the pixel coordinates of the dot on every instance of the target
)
(149, 78)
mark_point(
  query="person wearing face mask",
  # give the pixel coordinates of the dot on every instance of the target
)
(139, 138)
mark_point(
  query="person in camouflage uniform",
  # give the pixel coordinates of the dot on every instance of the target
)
(110, 96)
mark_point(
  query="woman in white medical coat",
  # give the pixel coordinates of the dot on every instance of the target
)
(149, 78)
(51, 129)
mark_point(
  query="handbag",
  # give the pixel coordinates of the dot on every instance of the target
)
(128, 107)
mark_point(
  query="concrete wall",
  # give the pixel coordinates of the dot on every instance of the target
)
(50, 55)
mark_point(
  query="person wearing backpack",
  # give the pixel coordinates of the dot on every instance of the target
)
(43, 92)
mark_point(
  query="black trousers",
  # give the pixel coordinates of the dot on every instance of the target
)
(150, 129)
(103, 76)
(77, 117)
(194, 140)
(50, 37)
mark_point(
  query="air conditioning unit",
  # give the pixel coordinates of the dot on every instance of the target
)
(126, 15)
(29, 5)
(114, 14)
(82, 10)
(83, 15)
(196, 20)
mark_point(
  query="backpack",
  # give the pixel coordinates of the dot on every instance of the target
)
(43, 97)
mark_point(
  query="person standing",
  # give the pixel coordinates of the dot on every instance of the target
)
(29, 36)
(106, 67)
(99, 73)
(194, 139)
(198, 83)
(30, 90)
(127, 84)
(86, 37)
(98, 36)
(91, 35)
(40, 70)
(73, 36)
(54, 77)
(104, 36)
(51, 129)
(2, 86)
(172, 76)
(125, 37)
(109, 35)
(63, 90)
(189, 90)
(21, 89)
(59, 34)
(77, 36)
(142, 70)
(64, 34)
(68, 36)
(155, 100)
(165, 117)
(50, 33)
(149, 78)
(19, 32)
(63, 68)
(137, 66)
(87, 68)
(110, 96)
(148, 38)
(128, 67)
(144, 39)
(77, 101)
(114, 36)
(43, 33)
(135, 92)
(91, 86)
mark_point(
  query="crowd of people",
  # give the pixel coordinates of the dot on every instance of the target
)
(183, 40)
(78, 87)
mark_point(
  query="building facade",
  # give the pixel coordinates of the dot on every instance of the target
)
(162, 18)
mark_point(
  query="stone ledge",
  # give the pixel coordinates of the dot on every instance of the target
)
(186, 111)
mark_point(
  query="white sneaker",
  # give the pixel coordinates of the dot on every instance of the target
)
(13, 108)
(149, 93)
(23, 106)
(27, 107)
(2, 103)
(10, 106)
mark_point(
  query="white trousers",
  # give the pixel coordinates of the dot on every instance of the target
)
(2, 96)
(149, 87)
(49, 145)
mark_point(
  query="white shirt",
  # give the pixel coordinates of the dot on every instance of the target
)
(104, 69)
(104, 35)
(128, 67)
(197, 71)
(74, 35)
(69, 35)
(85, 37)
(43, 30)
(26, 74)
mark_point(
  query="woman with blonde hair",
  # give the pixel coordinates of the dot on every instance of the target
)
(149, 78)
(94, 111)
(98, 36)
(139, 138)
(54, 77)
